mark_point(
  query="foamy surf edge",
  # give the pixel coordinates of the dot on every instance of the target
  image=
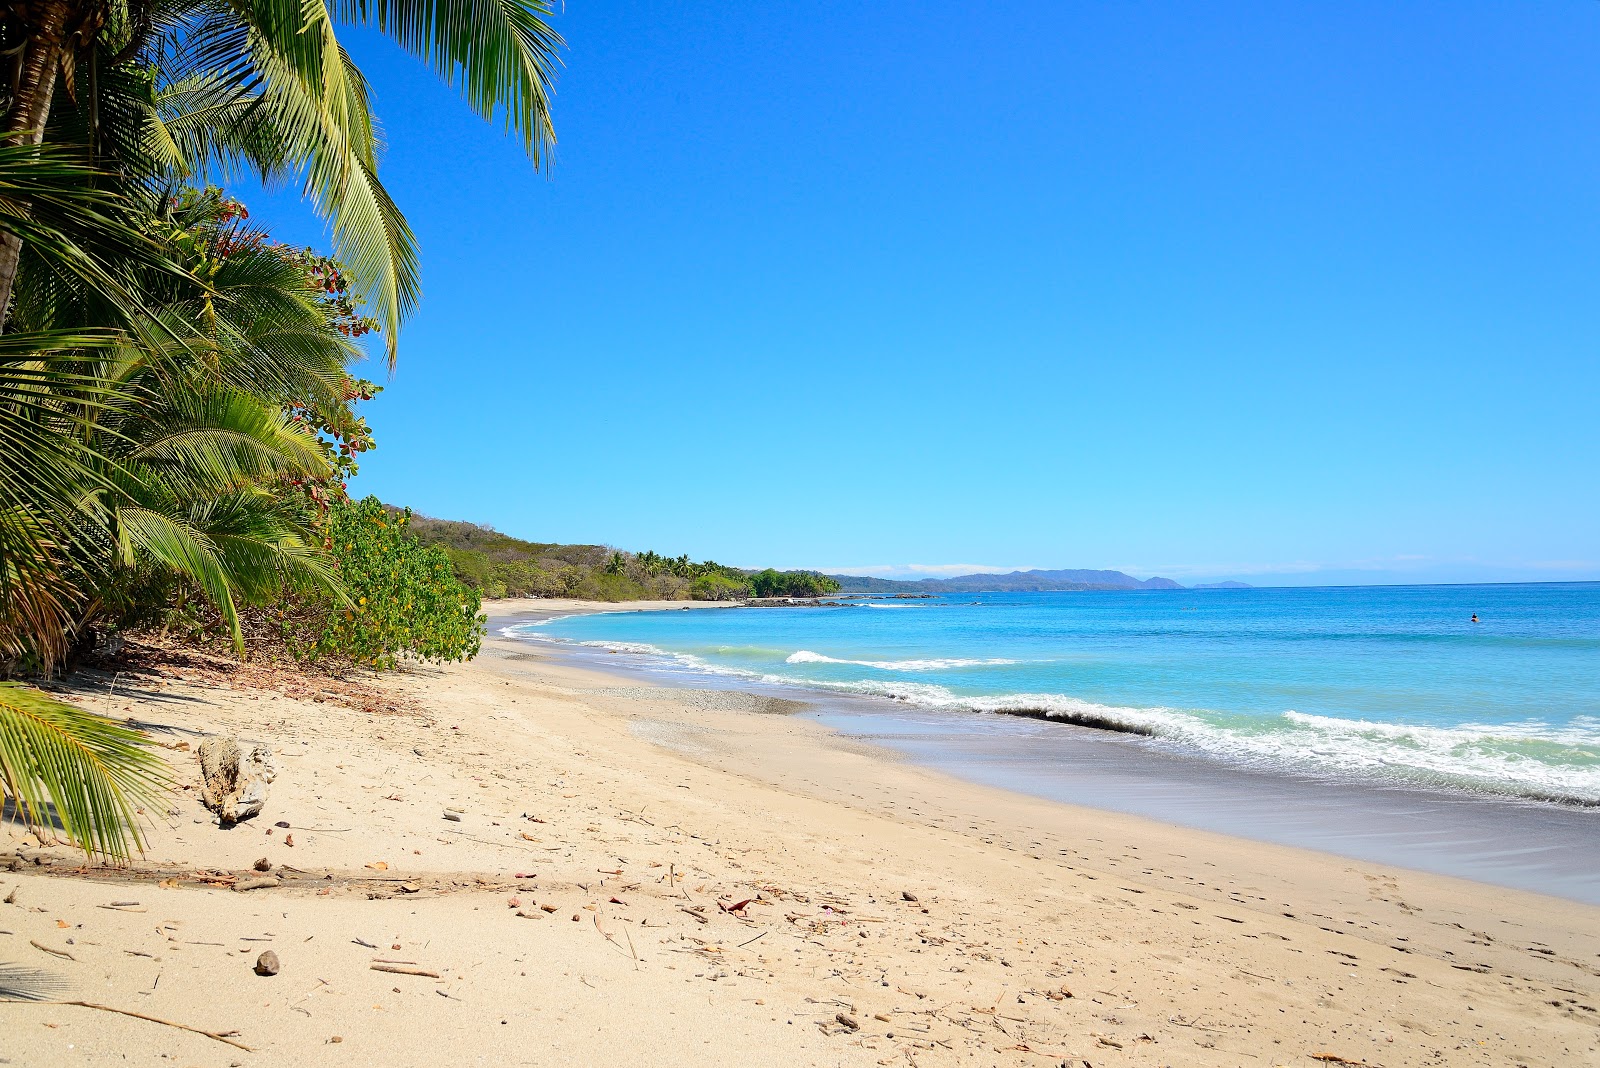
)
(806, 656)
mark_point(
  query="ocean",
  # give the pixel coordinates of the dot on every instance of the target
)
(1383, 684)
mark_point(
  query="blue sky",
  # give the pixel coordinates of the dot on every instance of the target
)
(1285, 293)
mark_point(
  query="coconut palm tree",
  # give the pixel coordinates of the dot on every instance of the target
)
(203, 88)
(152, 451)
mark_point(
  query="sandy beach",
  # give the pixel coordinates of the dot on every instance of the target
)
(519, 861)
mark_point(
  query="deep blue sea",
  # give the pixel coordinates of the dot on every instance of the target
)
(1386, 682)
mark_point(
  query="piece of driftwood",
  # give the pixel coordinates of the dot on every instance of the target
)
(156, 1019)
(401, 969)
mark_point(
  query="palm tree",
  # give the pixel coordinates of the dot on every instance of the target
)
(265, 86)
(150, 451)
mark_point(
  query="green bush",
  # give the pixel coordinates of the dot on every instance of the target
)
(406, 601)
(718, 587)
(770, 583)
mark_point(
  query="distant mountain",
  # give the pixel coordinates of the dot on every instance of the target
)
(1029, 581)
(1222, 586)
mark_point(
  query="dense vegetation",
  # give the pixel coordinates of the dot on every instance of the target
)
(177, 419)
(498, 565)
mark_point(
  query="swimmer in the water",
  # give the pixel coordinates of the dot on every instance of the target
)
(1475, 617)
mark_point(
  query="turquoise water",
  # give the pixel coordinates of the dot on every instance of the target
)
(1394, 683)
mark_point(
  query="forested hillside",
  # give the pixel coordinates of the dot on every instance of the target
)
(499, 565)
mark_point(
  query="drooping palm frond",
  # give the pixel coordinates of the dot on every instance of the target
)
(76, 232)
(502, 54)
(253, 92)
(46, 381)
(68, 769)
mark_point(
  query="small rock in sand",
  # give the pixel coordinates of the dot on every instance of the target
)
(267, 963)
(848, 1022)
(907, 895)
(263, 864)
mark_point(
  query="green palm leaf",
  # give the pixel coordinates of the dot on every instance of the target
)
(90, 774)
(501, 54)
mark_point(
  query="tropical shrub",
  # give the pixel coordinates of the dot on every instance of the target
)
(404, 600)
(718, 587)
(770, 583)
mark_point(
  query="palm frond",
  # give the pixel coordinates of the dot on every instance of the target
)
(167, 539)
(501, 54)
(64, 766)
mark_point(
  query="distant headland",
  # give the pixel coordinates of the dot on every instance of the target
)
(1037, 581)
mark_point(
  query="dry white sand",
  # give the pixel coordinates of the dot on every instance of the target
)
(575, 915)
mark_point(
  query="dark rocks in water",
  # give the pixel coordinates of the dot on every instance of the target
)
(1081, 719)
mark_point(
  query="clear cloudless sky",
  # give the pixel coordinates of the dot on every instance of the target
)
(1286, 293)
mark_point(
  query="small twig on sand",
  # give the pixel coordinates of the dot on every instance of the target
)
(52, 952)
(757, 938)
(156, 1019)
(400, 969)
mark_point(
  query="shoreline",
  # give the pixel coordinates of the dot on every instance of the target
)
(680, 876)
(1523, 843)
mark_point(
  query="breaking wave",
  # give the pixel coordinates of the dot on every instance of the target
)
(806, 656)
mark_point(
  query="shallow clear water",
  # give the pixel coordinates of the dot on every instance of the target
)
(1394, 684)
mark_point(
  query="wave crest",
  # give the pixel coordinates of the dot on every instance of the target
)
(806, 656)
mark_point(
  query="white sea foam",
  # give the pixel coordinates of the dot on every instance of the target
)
(806, 656)
(519, 630)
(1504, 759)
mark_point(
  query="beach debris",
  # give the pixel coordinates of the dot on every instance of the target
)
(849, 1023)
(362, 942)
(402, 969)
(1334, 1058)
(63, 954)
(737, 908)
(235, 779)
(453, 817)
(262, 865)
(265, 882)
(907, 895)
(267, 963)
(379, 865)
(219, 1036)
